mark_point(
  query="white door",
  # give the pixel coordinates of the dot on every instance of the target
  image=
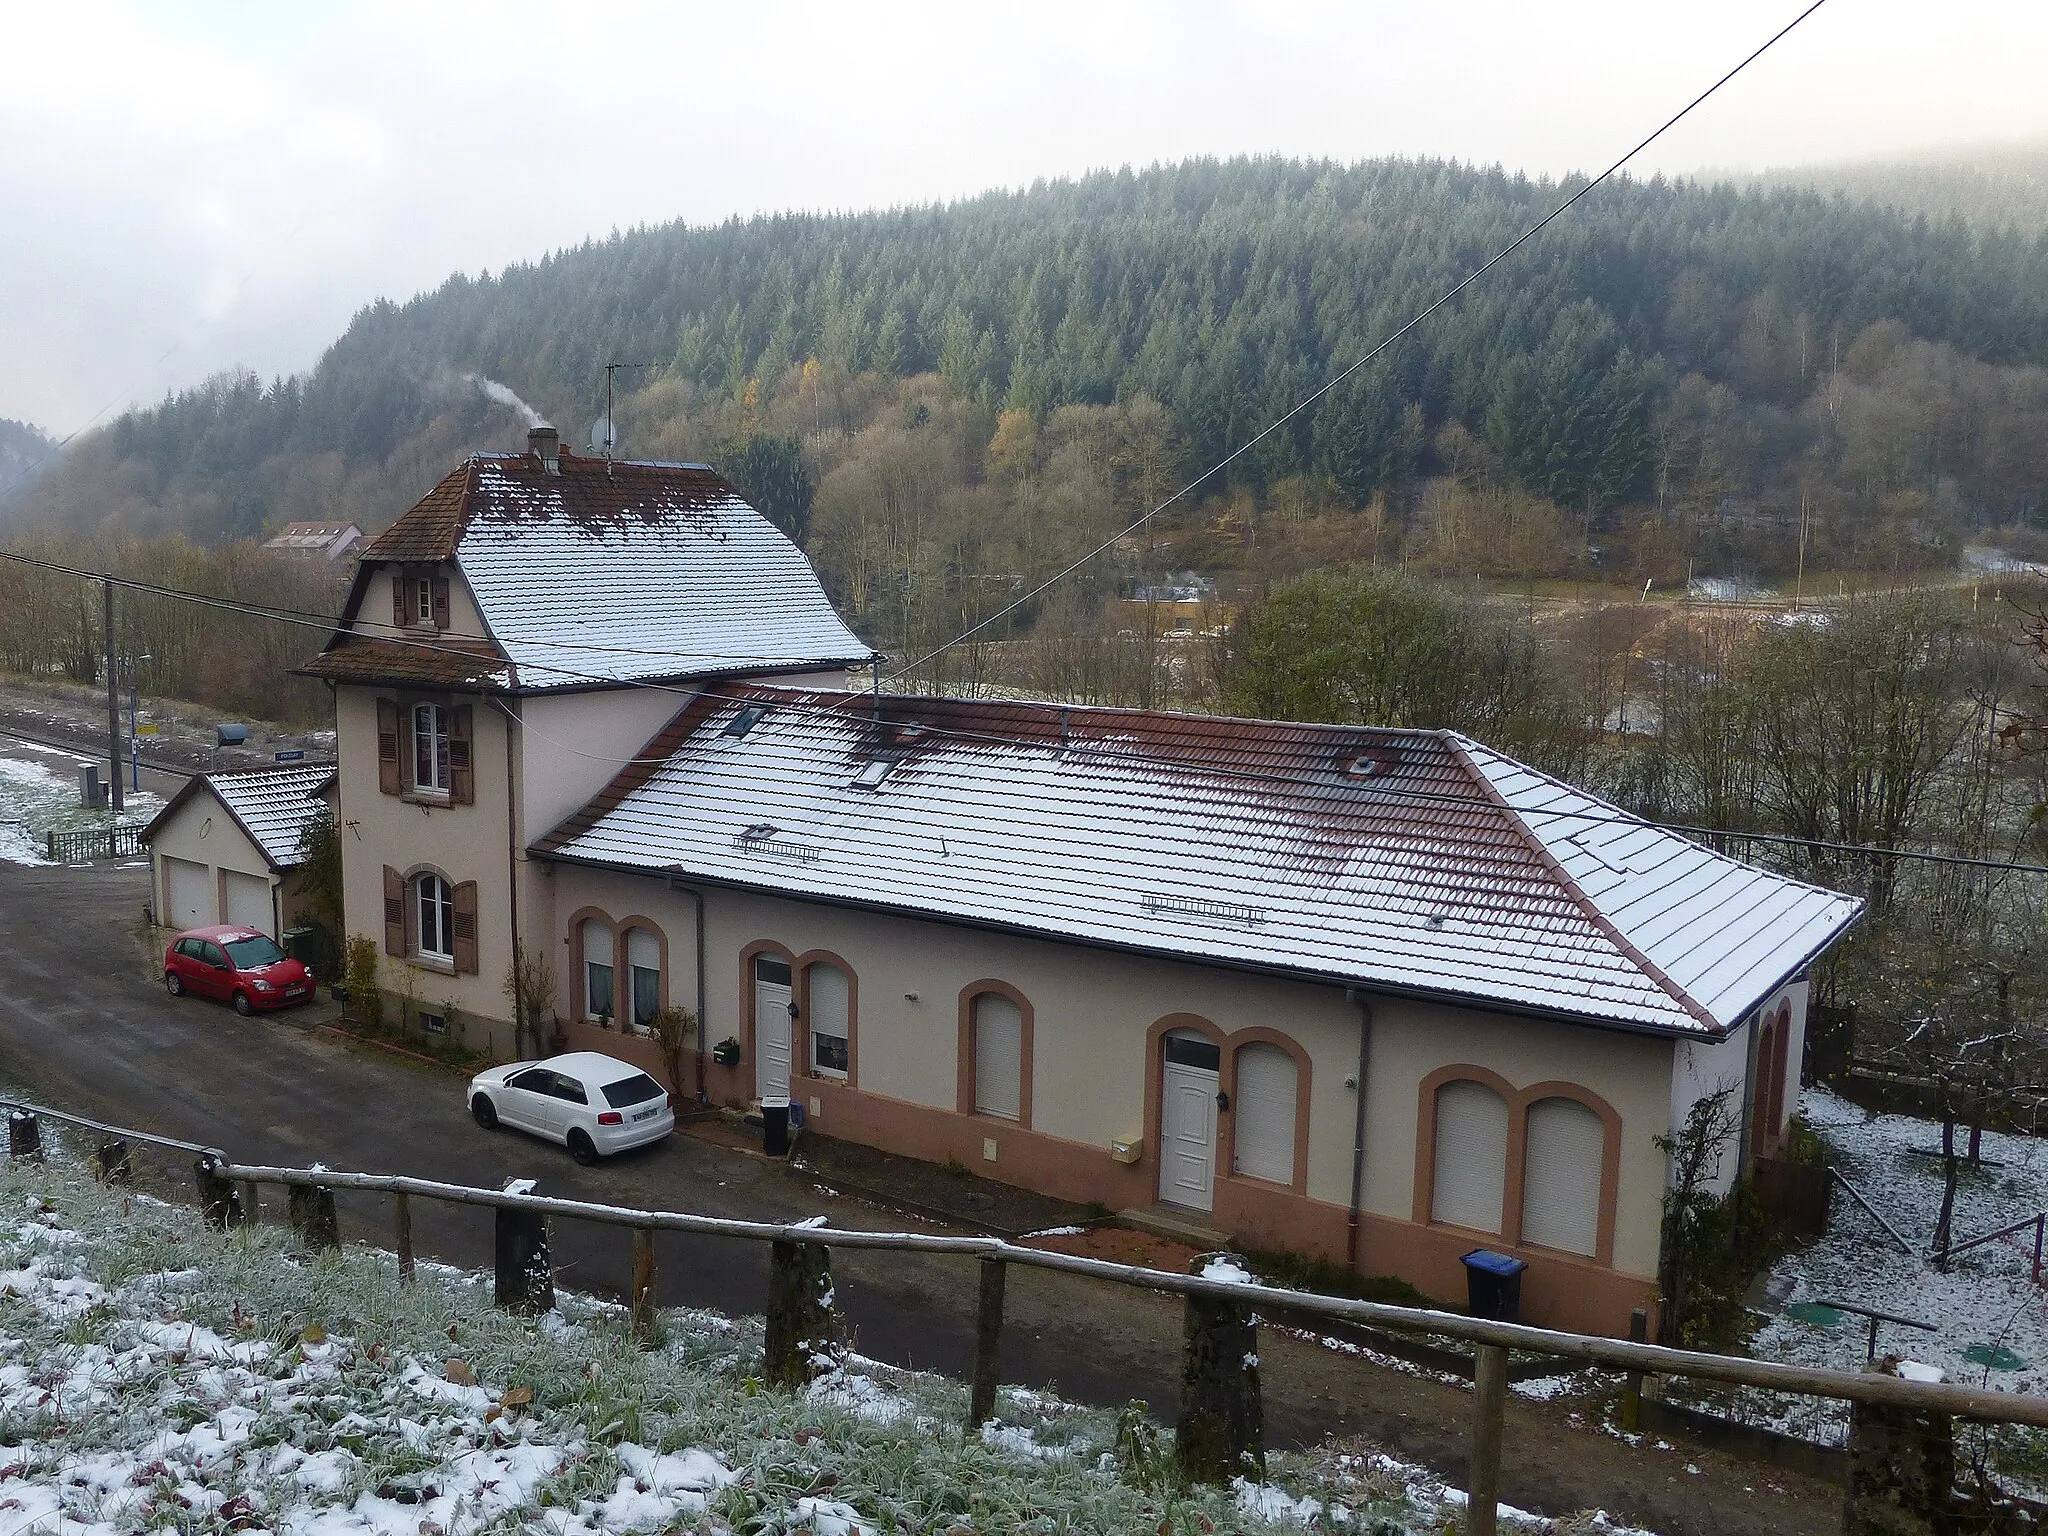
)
(188, 894)
(773, 996)
(1187, 1121)
(249, 901)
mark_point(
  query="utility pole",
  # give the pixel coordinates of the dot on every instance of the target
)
(114, 785)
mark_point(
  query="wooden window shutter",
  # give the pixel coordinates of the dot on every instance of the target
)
(407, 759)
(465, 928)
(440, 602)
(394, 911)
(461, 777)
(387, 747)
(400, 614)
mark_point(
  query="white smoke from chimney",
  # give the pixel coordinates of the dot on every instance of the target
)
(504, 396)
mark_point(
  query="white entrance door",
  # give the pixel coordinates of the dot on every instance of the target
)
(773, 996)
(188, 894)
(249, 901)
(1187, 1121)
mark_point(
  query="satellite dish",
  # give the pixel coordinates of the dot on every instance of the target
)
(604, 434)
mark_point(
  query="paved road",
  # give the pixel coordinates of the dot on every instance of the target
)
(85, 1026)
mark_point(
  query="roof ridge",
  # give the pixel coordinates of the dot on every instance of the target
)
(1460, 750)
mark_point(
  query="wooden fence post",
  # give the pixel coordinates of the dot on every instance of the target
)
(1489, 1399)
(311, 1210)
(801, 1325)
(217, 1197)
(252, 1201)
(988, 1338)
(110, 1162)
(1221, 1433)
(1902, 1466)
(1632, 1391)
(526, 1274)
(643, 1287)
(24, 1136)
(401, 1210)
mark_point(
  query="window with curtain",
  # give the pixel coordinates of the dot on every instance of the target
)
(430, 747)
(831, 1020)
(998, 1057)
(643, 958)
(1469, 1187)
(1561, 1176)
(597, 970)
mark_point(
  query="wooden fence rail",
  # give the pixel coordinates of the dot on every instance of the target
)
(800, 1311)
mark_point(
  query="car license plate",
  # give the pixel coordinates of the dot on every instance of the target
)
(294, 991)
(646, 1114)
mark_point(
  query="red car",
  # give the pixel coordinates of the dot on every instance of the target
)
(237, 965)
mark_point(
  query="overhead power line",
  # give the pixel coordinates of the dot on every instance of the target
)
(1077, 750)
(1310, 399)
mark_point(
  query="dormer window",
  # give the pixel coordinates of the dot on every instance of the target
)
(423, 600)
(419, 599)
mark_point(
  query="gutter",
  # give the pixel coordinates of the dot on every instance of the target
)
(512, 792)
(1207, 962)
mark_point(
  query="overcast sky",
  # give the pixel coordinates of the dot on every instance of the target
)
(190, 187)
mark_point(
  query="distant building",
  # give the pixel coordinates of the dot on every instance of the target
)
(330, 541)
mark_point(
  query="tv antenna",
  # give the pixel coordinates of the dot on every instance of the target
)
(604, 432)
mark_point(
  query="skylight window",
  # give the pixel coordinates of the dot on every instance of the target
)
(871, 775)
(745, 720)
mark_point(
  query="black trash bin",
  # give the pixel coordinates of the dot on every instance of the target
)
(775, 1127)
(1493, 1285)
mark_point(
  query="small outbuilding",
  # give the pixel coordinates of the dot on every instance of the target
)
(228, 847)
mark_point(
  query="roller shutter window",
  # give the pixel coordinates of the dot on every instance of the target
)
(998, 1057)
(1263, 1146)
(830, 1020)
(1561, 1176)
(1470, 1184)
(643, 961)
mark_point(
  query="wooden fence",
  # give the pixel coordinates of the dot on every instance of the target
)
(117, 840)
(1899, 1427)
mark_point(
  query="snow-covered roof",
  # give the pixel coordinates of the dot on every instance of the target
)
(272, 805)
(589, 572)
(1409, 861)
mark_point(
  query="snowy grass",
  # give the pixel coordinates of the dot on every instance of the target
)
(1986, 1302)
(39, 793)
(156, 1375)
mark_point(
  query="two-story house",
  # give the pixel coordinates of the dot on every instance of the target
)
(507, 646)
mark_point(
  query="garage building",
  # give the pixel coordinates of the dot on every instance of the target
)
(227, 847)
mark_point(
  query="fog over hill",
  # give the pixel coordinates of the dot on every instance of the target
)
(1989, 185)
(25, 452)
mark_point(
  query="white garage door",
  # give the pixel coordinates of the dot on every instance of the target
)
(188, 894)
(249, 901)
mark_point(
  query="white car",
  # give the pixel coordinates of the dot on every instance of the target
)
(593, 1104)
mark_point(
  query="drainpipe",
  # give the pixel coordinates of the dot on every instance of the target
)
(512, 791)
(1354, 995)
(703, 1025)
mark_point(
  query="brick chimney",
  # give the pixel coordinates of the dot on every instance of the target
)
(545, 444)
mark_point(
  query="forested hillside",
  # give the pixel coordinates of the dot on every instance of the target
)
(24, 453)
(946, 400)
(1990, 186)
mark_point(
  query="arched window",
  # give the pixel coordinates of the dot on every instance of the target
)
(1561, 1176)
(436, 906)
(643, 963)
(1469, 1185)
(831, 1019)
(598, 1002)
(1263, 1145)
(998, 1056)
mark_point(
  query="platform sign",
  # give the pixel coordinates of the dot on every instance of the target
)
(291, 757)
